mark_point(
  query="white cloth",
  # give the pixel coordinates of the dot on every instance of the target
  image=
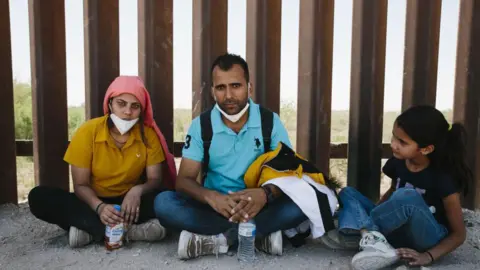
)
(302, 194)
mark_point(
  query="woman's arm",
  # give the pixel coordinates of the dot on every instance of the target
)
(154, 178)
(457, 235)
(131, 203)
(82, 188)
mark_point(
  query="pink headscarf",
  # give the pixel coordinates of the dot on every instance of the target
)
(134, 85)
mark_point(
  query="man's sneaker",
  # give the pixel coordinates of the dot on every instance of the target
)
(149, 231)
(193, 245)
(78, 238)
(336, 240)
(376, 253)
(272, 244)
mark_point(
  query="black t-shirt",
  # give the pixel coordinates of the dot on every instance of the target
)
(432, 184)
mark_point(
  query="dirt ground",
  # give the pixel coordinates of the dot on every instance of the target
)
(27, 243)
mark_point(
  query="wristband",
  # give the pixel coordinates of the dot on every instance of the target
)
(268, 194)
(98, 206)
(430, 254)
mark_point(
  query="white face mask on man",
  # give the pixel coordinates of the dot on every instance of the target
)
(235, 117)
(123, 126)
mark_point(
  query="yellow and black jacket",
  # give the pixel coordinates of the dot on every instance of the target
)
(280, 162)
(284, 162)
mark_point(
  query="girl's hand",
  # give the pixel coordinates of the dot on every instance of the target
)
(413, 257)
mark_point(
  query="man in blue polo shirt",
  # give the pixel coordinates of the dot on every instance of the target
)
(208, 215)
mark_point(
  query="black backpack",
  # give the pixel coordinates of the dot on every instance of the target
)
(266, 117)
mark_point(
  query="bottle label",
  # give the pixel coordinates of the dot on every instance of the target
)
(246, 231)
(114, 233)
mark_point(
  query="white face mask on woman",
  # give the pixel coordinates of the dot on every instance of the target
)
(123, 126)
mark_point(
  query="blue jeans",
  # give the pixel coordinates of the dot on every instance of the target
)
(404, 219)
(178, 211)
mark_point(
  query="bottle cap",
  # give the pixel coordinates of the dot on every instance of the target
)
(117, 207)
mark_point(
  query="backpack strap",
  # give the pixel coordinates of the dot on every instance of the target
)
(266, 117)
(207, 134)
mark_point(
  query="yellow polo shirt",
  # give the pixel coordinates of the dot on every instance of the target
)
(114, 170)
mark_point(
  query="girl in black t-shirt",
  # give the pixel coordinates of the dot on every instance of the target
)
(420, 214)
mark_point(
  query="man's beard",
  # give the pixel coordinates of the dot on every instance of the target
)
(240, 106)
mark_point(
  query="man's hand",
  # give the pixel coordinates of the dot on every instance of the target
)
(413, 257)
(222, 204)
(249, 203)
(131, 205)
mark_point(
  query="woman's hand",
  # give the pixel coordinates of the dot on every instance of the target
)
(413, 257)
(109, 216)
(131, 205)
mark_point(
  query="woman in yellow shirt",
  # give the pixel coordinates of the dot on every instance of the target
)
(108, 156)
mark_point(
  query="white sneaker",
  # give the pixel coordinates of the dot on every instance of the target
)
(149, 231)
(272, 244)
(376, 253)
(78, 238)
(193, 245)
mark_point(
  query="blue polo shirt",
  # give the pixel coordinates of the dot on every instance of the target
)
(230, 153)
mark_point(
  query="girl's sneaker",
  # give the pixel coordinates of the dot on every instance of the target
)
(376, 253)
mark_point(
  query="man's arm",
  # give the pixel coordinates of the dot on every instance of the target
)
(279, 133)
(187, 180)
(187, 183)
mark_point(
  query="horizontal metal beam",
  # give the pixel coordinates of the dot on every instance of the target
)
(337, 151)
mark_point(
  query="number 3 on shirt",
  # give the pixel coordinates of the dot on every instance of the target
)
(187, 141)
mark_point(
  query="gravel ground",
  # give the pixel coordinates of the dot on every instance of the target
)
(28, 243)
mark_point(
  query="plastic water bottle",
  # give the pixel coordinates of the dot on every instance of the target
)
(246, 241)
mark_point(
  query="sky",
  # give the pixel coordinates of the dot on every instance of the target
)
(182, 40)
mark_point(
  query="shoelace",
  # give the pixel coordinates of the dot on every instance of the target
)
(369, 239)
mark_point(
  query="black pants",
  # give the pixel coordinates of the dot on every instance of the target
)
(65, 209)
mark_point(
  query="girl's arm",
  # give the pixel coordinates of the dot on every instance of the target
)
(387, 194)
(457, 235)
